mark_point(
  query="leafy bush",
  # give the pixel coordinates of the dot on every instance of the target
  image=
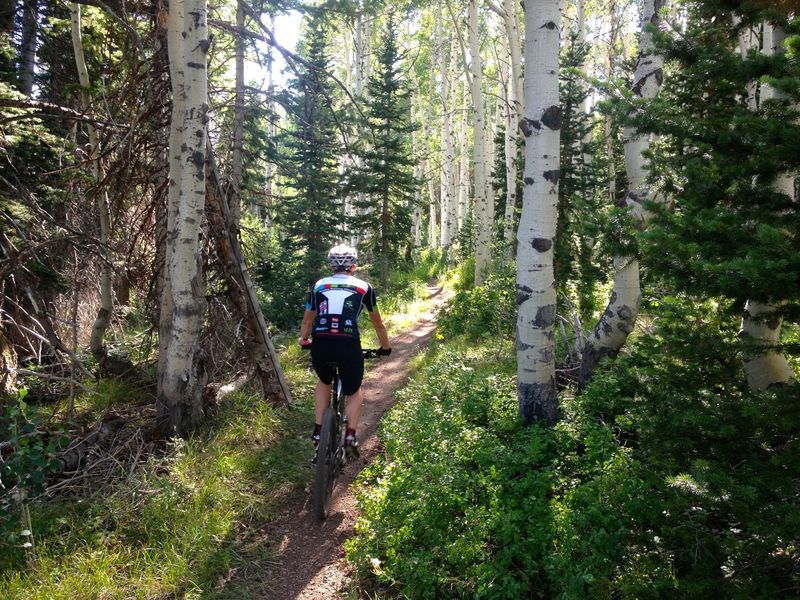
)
(667, 476)
(31, 455)
(484, 311)
(469, 503)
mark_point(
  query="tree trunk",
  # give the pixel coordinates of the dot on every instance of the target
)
(535, 288)
(764, 366)
(619, 317)
(103, 318)
(484, 199)
(183, 376)
(464, 178)
(237, 155)
(446, 195)
(30, 32)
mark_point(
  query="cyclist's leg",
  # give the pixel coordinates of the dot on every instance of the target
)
(322, 399)
(320, 359)
(355, 403)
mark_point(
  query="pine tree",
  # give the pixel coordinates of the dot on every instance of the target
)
(386, 179)
(582, 189)
(310, 213)
(730, 233)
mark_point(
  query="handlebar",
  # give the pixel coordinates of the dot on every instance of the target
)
(366, 352)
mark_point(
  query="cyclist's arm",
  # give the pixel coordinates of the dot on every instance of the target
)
(308, 322)
(380, 329)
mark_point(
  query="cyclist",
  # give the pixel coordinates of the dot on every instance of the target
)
(332, 310)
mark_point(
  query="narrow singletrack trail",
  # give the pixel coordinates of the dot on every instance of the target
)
(309, 555)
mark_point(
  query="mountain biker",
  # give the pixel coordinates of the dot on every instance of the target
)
(332, 310)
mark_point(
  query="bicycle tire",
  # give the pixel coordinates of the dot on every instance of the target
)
(326, 467)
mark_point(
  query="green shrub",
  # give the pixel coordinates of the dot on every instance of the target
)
(666, 477)
(485, 311)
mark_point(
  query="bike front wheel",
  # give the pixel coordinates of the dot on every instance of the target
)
(326, 465)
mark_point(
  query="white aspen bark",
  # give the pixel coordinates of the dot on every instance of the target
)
(182, 381)
(452, 204)
(484, 199)
(448, 159)
(103, 318)
(30, 29)
(535, 286)
(511, 24)
(583, 107)
(764, 366)
(619, 317)
(437, 57)
(464, 179)
(510, 154)
(237, 155)
(270, 186)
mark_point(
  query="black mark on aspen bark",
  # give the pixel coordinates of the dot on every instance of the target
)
(529, 181)
(549, 25)
(204, 45)
(545, 316)
(537, 402)
(526, 126)
(625, 313)
(523, 293)
(552, 117)
(552, 176)
(541, 244)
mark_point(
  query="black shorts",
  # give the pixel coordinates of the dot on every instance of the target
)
(346, 353)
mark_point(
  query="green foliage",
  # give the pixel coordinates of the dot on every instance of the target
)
(471, 504)
(31, 455)
(667, 476)
(383, 189)
(486, 311)
(583, 206)
(730, 232)
(310, 213)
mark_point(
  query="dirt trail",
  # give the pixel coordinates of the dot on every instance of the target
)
(309, 561)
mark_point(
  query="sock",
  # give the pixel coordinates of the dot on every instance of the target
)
(350, 431)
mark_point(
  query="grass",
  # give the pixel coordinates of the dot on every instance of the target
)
(187, 523)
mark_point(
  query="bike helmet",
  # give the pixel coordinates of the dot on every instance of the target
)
(342, 257)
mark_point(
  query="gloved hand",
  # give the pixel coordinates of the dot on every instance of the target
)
(384, 351)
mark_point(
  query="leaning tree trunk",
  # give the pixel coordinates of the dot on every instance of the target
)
(619, 317)
(183, 375)
(536, 288)
(103, 318)
(760, 332)
(484, 199)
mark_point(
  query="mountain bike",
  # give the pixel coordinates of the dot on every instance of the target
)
(330, 458)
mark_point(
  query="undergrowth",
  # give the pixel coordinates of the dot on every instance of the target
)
(667, 477)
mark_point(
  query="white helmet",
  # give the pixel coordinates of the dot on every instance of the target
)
(342, 257)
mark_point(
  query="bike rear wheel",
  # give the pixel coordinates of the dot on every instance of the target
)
(326, 465)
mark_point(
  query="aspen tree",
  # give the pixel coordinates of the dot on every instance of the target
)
(619, 317)
(103, 318)
(535, 285)
(446, 146)
(484, 198)
(182, 376)
(237, 154)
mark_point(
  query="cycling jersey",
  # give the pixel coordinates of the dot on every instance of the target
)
(339, 301)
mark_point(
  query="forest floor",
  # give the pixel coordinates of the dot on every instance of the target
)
(308, 560)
